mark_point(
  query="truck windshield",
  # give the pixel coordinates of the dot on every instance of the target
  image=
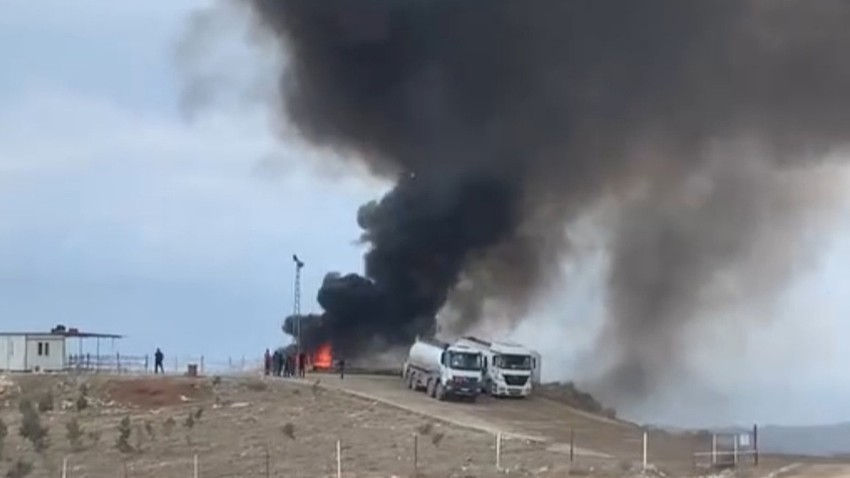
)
(464, 361)
(513, 362)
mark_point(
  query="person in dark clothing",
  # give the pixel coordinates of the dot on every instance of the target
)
(158, 357)
(342, 369)
(287, 365)
(277, 363)
(268, 362)
(302, 365)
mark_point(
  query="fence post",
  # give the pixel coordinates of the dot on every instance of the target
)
(195, 473)
(735, 450)
(268, 464)
(118, 361)
(415, 454)
(338, 459)
(65, 467)
(147, 364)
(756, 444)
(125, 468)
(714, 449)
(572, 444)
(202, 364)
(176, 365)
(645, 439)
(499, 450)
(242, 368)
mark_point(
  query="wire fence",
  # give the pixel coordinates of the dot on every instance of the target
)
(430, 454)
(436, 452)
(729, 450)
(143, 364)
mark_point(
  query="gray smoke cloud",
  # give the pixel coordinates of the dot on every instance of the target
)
(508, 119)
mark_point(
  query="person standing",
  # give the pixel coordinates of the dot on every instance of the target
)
(158, 358)
(342, 369)
(276, 363)
(267, 361)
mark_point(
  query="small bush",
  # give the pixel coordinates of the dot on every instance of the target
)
(216, 380)
(94, 437)
(139, 438)
(4, 432)
(425, 428)
(75, 433)
(289, 430)
(21, 469)
(168, 426)
(81, 403)
(437, 438)
(125, 429)
(189, 423)
(45, 403)
(31, 427)
(199, 413)
(149, 429)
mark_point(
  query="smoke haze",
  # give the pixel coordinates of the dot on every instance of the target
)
(706, 123)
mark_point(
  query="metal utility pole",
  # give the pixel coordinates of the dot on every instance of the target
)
(296, 302)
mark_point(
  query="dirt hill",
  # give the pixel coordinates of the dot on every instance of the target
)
(142, 427)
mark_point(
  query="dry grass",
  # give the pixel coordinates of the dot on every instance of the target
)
(237, 427)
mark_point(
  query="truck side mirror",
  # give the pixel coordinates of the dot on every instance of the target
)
(443, 358)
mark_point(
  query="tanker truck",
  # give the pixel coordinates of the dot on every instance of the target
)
(509, 368)
(443, 370)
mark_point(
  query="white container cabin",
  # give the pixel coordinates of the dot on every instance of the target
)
(32, 352)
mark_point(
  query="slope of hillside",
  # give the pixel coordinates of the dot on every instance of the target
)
(141, 427)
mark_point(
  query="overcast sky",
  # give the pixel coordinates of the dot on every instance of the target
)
(119, 215)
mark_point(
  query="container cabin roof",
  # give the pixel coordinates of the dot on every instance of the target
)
(66, 334)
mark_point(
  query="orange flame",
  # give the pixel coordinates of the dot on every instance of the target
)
(323, 358)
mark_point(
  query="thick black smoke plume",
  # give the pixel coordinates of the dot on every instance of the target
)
(507, 119)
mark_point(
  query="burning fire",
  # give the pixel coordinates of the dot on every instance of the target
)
(323, 357)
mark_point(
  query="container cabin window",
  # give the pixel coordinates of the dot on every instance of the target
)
(44, 349)
(40, 349)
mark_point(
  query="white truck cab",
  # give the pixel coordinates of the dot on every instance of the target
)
(508, 367)
(444, 370)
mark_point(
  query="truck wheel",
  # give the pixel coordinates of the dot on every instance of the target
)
(440, 392)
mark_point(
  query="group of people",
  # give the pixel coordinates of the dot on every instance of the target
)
(281, 364)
